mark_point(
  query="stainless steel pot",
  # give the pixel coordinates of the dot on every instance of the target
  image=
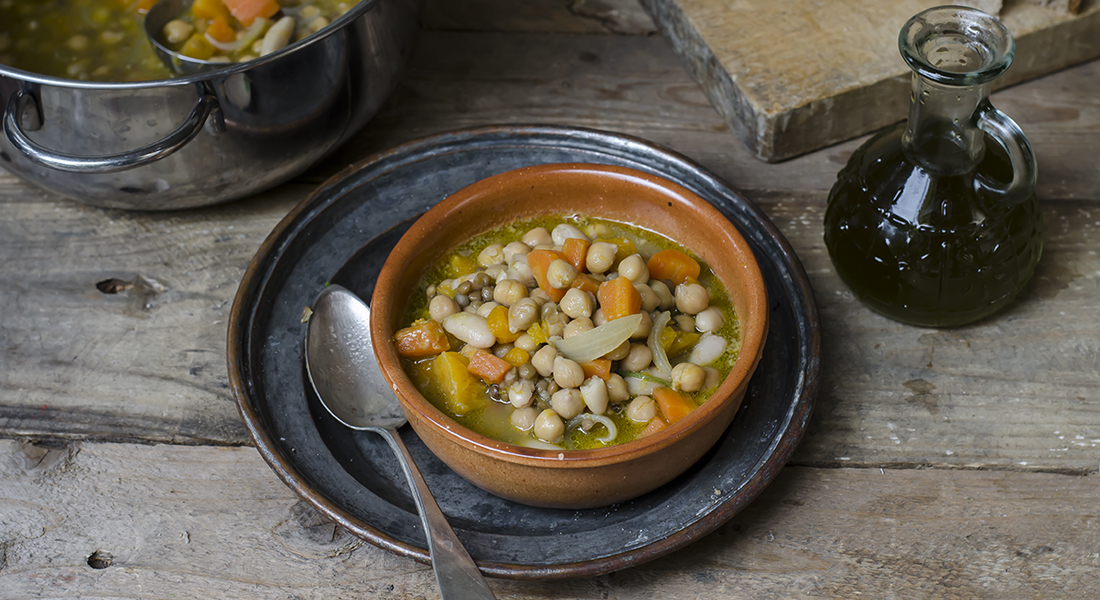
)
(210, 137)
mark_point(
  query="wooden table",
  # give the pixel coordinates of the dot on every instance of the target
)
(958, 463)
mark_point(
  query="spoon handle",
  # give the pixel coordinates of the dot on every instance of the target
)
(455, 572)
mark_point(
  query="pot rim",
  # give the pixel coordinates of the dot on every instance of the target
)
(361, 8)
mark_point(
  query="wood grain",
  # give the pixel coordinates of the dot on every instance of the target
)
(796, 76)
(205, 522)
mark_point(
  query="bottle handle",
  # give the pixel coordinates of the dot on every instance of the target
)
(1009, 135)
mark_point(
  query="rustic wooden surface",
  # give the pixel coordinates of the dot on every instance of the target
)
(792, 77)
(955, 463)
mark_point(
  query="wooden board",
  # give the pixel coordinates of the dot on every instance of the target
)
(206, 522)
(794, 76)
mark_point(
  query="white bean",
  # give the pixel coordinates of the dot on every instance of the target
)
(278, 36)
(537, 237)
(470, 328)
(709, 320)
(177, 31)
(493, 254)
(708, 349)
(564, 232)
(594, 393)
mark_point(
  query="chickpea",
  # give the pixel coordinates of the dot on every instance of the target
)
(521, 393)
(664, 295)
(486, 309)
(543, 360)
(278, 36)
(496, 272)
(177, 31)
(548, 426)
(691, 298)
(560, 274)
(564, 232)
(634, 269)
(577, 327)
(594, 393)
(493, 254)
(576, 303)
(502, 350)
(620, 352)
(616, 389)
(598, 317)
(514, 249)
(539, 296)
(442, 307)
(507, 292)
(521, 272)
(537, 237)
(684, 322)
(524, 418)
(641, 409)
(644, 327)
(638, 358)
(567, 373)
(526, 371)
(709, 320)
(525, 342)
(522, 315)
(688, 377)
(568, 403)
(600, 257)
(650, 301)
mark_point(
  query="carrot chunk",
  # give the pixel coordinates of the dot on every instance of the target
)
(421, 340)
(600, 367)
(655, 424)
(539, 261)
(619, 298)
(575, 251)
(488, 367)
(674, 405)
(586, 283)
(673, 265)
(247, 11)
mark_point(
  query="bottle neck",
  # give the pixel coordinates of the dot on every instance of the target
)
(942, 134)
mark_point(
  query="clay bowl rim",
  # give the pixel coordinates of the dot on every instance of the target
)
(387, 298)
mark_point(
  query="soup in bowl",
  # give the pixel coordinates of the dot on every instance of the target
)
(570, 335)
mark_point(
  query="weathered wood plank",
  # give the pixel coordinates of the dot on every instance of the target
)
(796, 76)
(625, 17)
(203, 522)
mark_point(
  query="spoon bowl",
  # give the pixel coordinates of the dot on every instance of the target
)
(155, 20)
(342, 369)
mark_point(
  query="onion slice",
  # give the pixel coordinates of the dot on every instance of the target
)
(660, 358)
(607, 438)
(597, 342)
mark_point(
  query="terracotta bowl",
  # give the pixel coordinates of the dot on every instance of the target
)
(580, 478)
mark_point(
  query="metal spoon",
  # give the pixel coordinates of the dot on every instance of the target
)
(155, 20)
(344, 373)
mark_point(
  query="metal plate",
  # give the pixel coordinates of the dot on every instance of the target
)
(343, 233)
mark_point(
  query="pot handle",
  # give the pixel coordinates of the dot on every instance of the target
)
(21, 100)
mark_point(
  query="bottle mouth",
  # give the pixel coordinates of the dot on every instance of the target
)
(956, 45)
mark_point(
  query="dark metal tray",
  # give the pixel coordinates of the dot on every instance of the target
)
(343, 233)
